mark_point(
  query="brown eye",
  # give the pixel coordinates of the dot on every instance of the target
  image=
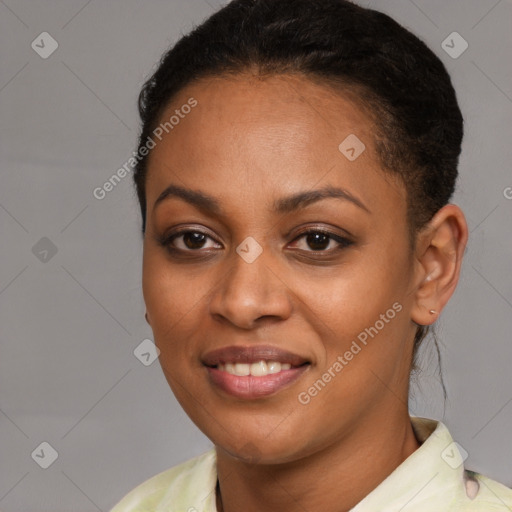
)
(186, 241)
(194, 240)
(319, 241)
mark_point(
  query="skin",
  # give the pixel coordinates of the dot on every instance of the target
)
(248, 143)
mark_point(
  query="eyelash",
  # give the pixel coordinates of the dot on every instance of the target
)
(166, 241)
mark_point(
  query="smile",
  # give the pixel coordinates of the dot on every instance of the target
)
(255, 371)
(259, 369)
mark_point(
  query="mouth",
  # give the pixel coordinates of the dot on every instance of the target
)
(258, 369)
(255, 371)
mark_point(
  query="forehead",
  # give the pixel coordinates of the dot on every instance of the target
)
(282, 132)
(281, 112)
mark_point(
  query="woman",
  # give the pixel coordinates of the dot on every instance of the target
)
(296, 163)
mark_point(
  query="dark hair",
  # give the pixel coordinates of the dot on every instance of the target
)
(396, 79)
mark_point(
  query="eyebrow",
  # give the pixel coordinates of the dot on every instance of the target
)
(287, 204)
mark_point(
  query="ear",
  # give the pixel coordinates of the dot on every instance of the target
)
(439, 251)
(147, 319)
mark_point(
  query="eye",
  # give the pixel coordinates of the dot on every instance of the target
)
(320, 240)
(191, 240)
(187, 240)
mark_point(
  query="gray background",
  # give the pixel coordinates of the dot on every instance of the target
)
(70, 324)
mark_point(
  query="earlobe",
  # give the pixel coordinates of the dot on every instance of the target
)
(439, 252)
(147, 319)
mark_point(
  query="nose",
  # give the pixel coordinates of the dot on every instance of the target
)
(250, 290)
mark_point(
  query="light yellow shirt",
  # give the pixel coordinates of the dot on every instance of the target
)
(432, 479)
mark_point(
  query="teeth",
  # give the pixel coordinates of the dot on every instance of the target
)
(274, 367)
(259, 369)
(241, 369)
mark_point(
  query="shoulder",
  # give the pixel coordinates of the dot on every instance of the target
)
(485, 494)
(187, 486)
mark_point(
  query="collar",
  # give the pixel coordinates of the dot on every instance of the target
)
(431, 478)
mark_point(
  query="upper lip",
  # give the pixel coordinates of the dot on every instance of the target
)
(251, 354)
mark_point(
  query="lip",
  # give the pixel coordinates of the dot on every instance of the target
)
(250, 387)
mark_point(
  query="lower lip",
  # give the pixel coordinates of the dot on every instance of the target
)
(251, 387)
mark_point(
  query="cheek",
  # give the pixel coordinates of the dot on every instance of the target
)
(360, 315)
(168, 290)
(173, 302)
(353, 297)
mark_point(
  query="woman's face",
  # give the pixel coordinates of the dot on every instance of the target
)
(245, 277)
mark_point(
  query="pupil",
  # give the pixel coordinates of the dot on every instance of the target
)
(313, 239)
(195, 238)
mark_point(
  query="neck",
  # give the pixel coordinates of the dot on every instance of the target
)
(343, 473)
